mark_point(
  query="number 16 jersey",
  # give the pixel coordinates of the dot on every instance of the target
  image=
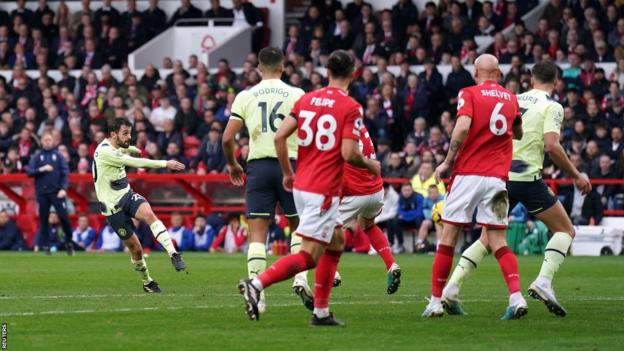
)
(262, 108)
(325, 117)
(488, 148)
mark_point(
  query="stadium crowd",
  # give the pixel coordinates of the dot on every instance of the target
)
(181, 115)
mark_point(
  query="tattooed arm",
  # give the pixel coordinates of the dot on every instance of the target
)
(462, 126)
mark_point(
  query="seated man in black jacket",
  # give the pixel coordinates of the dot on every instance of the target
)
(10, 236)
(583, 209)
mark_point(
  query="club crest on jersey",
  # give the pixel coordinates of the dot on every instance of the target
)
(121, 232)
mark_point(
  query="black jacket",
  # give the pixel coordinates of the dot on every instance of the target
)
(49, 182)
(221, 12)
(592, 207)
(11, 237)
(155, 21)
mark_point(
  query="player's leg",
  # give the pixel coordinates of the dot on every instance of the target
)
(508, 264)
(263, 183)
(124, 227)
(558, 222)
(468, 262)
(492, 213)
(318, 217)
(44, 226)
(60, 205)
(378, 240)
(140, 209)
(140, 266)
(459, 205)
(300, 285)
(324, 281)
(256, 253)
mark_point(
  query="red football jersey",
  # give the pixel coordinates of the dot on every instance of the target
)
(488, 148)
(359, 181)
(325, 117)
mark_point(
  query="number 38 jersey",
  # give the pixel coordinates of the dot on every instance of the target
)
(325, 117)
(488, 148)
(262, 108)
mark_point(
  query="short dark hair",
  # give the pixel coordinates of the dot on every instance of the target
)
(271, 57)
(544, 71)
(340, 64)
(115, 124)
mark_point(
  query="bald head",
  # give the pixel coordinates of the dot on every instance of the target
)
(486, 68)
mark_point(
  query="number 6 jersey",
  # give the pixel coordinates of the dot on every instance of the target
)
(488, 148)
(325, 117)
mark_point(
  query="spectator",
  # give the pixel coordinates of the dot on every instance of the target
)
(248, 15)
(375, 120)
(107, 10)
(162, 113)
(410, 212)
(182, 237)
(432, 198)
(604, 171)
(203, 234)
(220, 12)
(56, 235)
(10, 236)
(424, 179)
(83, 236)
(186, 11)
(416, 103)
(395, 167)
(617, 142)
(155, 19)
(457, 79)
(108, 241)
(387, 218)
(232, 237)
(583, 209)
(210, 158)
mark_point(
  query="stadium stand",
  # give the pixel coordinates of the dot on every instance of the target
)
(412, 61)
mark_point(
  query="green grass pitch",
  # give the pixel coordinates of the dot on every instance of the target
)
(95, 302)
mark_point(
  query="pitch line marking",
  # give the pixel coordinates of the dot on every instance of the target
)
(203, 307)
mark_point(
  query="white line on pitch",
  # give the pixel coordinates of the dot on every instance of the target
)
(173, 308)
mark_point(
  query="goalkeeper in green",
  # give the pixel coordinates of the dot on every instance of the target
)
(121, 205)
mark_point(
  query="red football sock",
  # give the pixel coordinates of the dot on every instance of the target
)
(442, 264)
(286, 268)
(509, 266)
(380, 244)
(324, 277)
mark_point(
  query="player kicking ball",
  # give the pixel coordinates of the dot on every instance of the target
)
(541, 120)
(262, 108)
(482, 141)
(327, 123)
(120, 204)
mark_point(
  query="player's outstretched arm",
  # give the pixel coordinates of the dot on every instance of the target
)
(120, 159)
(558, 156)
(288, 127)
(462, 126)
(352, 154)
(233, 126)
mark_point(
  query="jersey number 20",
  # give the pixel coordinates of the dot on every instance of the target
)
(326, 126)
